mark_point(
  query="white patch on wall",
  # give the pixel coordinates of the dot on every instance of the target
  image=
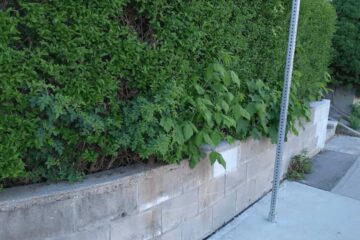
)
(322, 109)
(154, 203)
(231, 158)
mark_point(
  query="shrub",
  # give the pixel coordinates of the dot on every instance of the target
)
(299, 166)
(355, 117)
(91, 85)
(346, 65)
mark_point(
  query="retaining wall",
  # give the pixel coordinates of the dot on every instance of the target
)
(171, 202)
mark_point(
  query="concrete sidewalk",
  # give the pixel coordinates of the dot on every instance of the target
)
(349, 185)
(324, 206)
(344, 144)
(304, 213)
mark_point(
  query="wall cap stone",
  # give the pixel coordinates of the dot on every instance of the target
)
(42, 193)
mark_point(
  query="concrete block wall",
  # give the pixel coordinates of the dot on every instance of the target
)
(171, 202)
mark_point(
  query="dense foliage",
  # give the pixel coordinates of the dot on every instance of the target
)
(355, 117)
(346, 66)
(90, 85)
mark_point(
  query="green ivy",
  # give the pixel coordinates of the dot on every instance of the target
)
(88, 85)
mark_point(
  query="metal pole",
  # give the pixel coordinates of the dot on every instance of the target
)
(284, 106)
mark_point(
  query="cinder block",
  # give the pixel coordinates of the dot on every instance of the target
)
(245, 195)
(193, 178)
(233, 179)
(145, 225)
(263, 182)
(174, 234)
(313, 149)
(224, 210)
(321, 113)
(292, 147)
(251, 148)
(260, 162)
(321, 132)
(178, 209)
(231, 156)
(119, 200)
(211, 192)
(38, 221)
(159, 186)
(98, 233)
(310, 132)
(198, 227)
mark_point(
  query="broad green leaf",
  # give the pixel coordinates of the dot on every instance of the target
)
(224, 106)
(244, 113)
(199, 89)
(227, 79)
(207, 102)
(222, 162)
(239, 112)
(195, 155)
(260, 108)
(236, 112)
(179, 136)
(242, 126)
(167, 124)
(251, 108)
(208, 117)
(217, 157)
(229, 97)
(199, 138)
(235, 78)
(216, 138)
(230, 139)
(218, 118)
(214, 156)
(219, 69)
(188, 131)
(229, 122)
(208, 140)
(191, 101)
(193, 127)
